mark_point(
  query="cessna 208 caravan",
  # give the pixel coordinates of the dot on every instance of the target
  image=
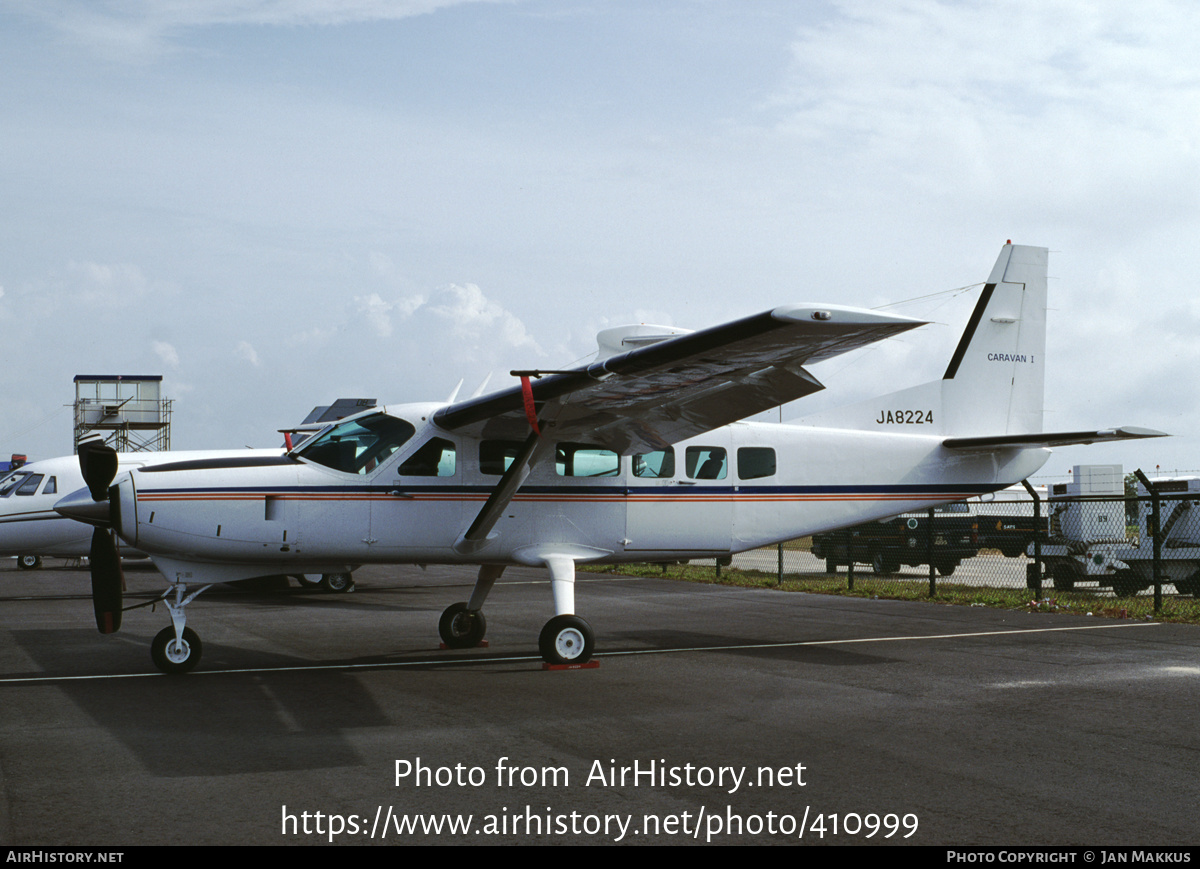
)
(636, 456)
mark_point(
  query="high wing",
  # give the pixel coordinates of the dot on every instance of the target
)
(653, 396)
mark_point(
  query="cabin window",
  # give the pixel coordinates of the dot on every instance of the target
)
(51, 487)
(754, 463)
(496, 456)
(585, 460)
(657, 465)
(10, 483)
(435, 459)
(30, 486)
(705, 463)
(359, 445)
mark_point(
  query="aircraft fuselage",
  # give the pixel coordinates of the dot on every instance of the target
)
(735, 488)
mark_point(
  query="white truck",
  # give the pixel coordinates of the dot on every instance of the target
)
(1092, 538)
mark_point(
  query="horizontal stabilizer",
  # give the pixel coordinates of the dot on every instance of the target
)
(1052, 439)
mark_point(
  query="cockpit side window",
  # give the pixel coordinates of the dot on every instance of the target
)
(358, 446)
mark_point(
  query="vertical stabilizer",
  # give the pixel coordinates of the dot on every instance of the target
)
(995, 380)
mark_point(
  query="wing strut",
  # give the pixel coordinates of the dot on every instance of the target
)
(475, 537)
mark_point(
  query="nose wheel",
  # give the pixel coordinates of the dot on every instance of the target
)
(177, 648)
(172, 655)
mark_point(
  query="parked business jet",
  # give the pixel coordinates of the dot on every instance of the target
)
(31, 529)
(637, 456)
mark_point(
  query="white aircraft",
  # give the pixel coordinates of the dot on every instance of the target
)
(637, 456)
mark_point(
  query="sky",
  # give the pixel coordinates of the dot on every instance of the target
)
(275, 204)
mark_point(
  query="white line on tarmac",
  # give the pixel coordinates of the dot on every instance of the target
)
(447, 661)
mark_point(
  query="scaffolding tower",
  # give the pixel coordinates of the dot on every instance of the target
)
(128, 411)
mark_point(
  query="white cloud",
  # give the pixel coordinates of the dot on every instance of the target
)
(245, 350)
(139, 30)
(378, 312)
(472, 316)
(105, 285)
(1080, 101)
(167, 353)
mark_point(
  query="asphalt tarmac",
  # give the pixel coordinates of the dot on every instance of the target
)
(716, 714)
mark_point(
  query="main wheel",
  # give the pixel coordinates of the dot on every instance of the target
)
(460, 628)
(566, 640)
(29, 562)
(946, 568)
(174, 657)
(337, 582)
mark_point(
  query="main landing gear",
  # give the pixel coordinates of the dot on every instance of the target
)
(565, 639)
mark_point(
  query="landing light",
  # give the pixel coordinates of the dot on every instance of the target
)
(822, 315)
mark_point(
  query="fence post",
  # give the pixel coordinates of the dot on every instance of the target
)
(850, 558)
(1156, 518)
(1034, 579)
(779, 580)
(929, 554)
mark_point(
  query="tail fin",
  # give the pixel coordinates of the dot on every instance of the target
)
(994, 383)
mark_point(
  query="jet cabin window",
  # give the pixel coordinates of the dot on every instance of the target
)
(30, 486)
(358, 446)
(435, 459)
(9, 484)
(705, 463)
(585, 460)
(658, 465)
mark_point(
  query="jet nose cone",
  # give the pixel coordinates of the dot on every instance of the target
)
(80, 507)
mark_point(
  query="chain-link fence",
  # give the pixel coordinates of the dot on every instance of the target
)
(1067, 547)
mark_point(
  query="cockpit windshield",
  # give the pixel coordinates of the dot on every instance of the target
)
(358, 446)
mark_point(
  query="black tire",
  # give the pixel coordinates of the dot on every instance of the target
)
(1064, 577)
(1191, 585)
(566, 640)
(337, 583)
(460, 628)
(1127, 585)
(29, 562)
(946, 568)
(176, 662)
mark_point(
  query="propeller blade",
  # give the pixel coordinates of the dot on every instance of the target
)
(107, 581)
(98, 462)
